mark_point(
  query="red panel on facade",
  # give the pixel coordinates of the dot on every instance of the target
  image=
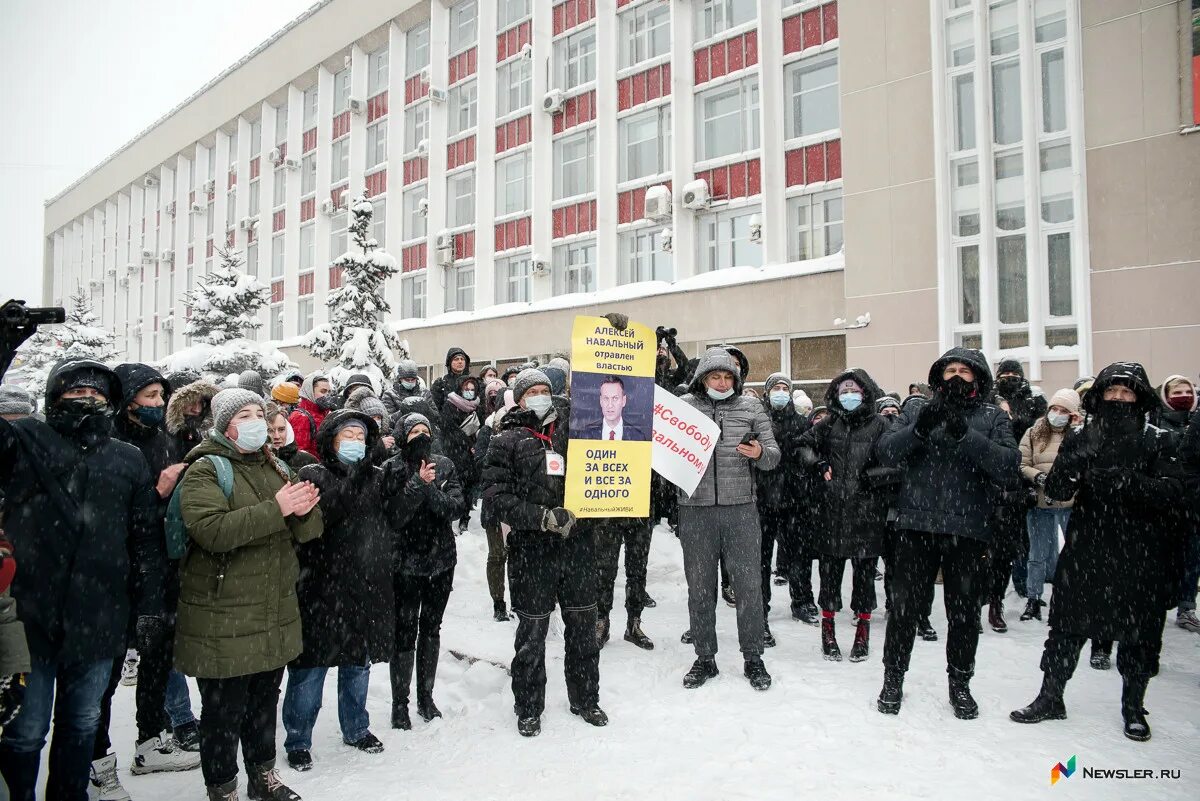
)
(814, 163)
(416, 170)
(191, 255)
(335, 277)
(558, 18)
(376, 183)
(306, 283)
(701, 65)
(254, 167)
(587, 216)
(753, 177)
(793, 38)
(829, 19)
(716, 58)
(278, 220)
(524, 231)
(750, 45)
(654, 83)
(414, 89)
(341, 125)
(794, 167)
(621, 3)
(735, 55)
(336, 193)
(208, 249)
(718, 182)
(231, 184)
(282, 151)
(309, 140)
(737, 179)
(571, 220)
(812, 28)
(499, 238)
(377, 106)
(464, 245)
(277, 291)
(413, 258)
(624, 207)
(251, 237)
(833, 159)
(639, 85)
(624, 93)
(308, 209)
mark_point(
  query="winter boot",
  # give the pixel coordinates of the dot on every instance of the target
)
(222, 792)
(806, 613)
(686, 637)
(926, 630)
(300, 759)
(401, 669)
(779, 580)
(829, 646)
(159, 754)
(862, 639)
(529, 727)
(265, 784)
(427, 663)
(1133, 695)
(728, 596)
(1047, 706)
(188, 736)
(648, 602)
(768, 637)
(996, 616)
(602, 630)
(964, 704)
(1186, 619)
(104, 784)
(635, 635)
(1033, 610)
(463, 524)
(593, 715)
(368, 744)
(1101, 656)
(756, 672)
(892, 693)
(499, 612)
(703, 669)
(129, 670)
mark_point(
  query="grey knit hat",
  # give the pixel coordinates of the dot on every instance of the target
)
(372, 406)
(410, 421)
(561, 363)
(251, 380)
(527, 380)
(406, 368)
(15, 400)
(228, 402)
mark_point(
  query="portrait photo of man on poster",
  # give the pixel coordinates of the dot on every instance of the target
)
(612, 408)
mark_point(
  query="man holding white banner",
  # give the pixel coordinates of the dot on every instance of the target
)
(719, 518)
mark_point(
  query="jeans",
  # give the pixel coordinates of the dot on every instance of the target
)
(71, 693)
(1191, 574)
(302, 702)
(179, 700)
(1043, 525)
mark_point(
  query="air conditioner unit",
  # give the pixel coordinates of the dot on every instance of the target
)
(438, 95)
(95, 283)
(149, 182)
(124, 281)
(168, 324)
(539, 267)
(425, 76)
(137, 331)
(444, 256)
(328, 207)
(147, 255)
(171, 208)
(527, 51)
(167, 256)
(552, 103)
(668, 240)
(695, 195)
(444, 239)
(755, 228)
(291, 164)
(423, 147)
(246, 224)
(197, 208)
(111, 272)
(210, 186)
(357, 106)
(275, 155)
(423, 207)
(658, 203)
(130, 269)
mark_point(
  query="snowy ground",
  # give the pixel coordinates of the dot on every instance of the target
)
(815, 734)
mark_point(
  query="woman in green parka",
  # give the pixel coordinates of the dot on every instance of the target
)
(238, 619)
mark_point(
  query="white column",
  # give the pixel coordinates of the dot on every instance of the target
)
(324, 171)
(542, 153)
(683, 140)
(107, 294)
(485, 160)
(85, 267)
(439, 76)
(393, 229)
(291, 202)
(242, 194)
(60, 252)
(1034, 275)
(772, 107)
(183, 216)
(359, 66)
(221, 190)
(607, 144)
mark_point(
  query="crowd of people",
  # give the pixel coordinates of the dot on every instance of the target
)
(241, 532)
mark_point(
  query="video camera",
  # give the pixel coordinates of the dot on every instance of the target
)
(16, 315)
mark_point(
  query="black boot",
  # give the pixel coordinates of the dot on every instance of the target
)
(1133, 695)
(686, 637)
(529, 727)
(499, 612)
(892, 693)
(265, 784)
(427, 661)
(1047, 706)
(964, 704)
(226, 791)
(829, 644)
(768, 637)
(862, 640)
(1101, 657)
(703, 669)
(635, 635)
(401, 669)
(1033, 610)
(806, 613)
(996, 616)
(591, 714)
(602, 630)
(648, 602)
(728, 596)
(926, 631)
(756, 672)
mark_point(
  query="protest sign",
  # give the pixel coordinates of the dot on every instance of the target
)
(684, 439)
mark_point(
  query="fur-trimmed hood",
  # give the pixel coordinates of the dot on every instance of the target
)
(185, 396)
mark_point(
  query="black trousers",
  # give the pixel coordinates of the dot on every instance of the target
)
(862, 593)
(609, 534)
(420, 605)
(1003, 550)
(103, 744)
(916, 557)
(240, 709)
(545, 569)
(497, 555)
(1134, 659)
(779, 525)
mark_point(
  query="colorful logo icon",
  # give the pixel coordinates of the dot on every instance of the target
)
(1061, 771)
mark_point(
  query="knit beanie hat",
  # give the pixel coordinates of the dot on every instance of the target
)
(527, 380)
(557, 378)
(228, 402)
(406, 368)
(886, 402)
(1066, 398)
(251, 380)
(561, 364)
(181, 378)
(15, 400)
(1010, 366)
(372, 406)
(803, 403)
(411, 421)
(286, 392)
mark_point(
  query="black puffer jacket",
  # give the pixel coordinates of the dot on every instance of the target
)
(186, 433)
(789, 486)
(457, 444)
(448, 383)
(852, 505)
(1025, 407)
(1121, 566)
(948, 486)
(515, 477)
(347, 606)
(423, 515)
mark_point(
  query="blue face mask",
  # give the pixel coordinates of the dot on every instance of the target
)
(408, 384)
(351, 451)
(780, 399)
(712, 393)
(150, 416)
(850, 400)
(252, 435)
(468, 394)
(538, 404)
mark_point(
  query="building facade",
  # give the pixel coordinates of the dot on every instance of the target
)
(824, 183)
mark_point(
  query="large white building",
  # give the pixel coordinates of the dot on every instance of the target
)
(683, 160)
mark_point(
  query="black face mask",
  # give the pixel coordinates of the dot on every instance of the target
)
(1118, 413)
(417, 449)
(327, 402)
(81, 418)
(958, 389)
(194, 422)
(1009, 385)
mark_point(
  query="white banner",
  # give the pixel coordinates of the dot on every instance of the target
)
(684, 440)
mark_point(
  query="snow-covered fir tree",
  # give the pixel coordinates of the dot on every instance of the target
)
(81, 336)
(357, 335)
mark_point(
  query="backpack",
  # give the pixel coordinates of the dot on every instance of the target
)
(176, 531)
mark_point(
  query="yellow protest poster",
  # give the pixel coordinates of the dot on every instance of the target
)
(612, 425)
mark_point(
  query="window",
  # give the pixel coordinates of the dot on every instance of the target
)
(414, 224)
(460, 198)
(340, 160)
(277, 322)
(510, 12)
(233, 150)
(463, 20)
(281, 123)
(513, 283)
(308, 249)
(210, 218)
(963, 88)
(575, 58)
(512, 184)
(968, 284)
(815, 225)
(1006, 102)
(308, 174)
(377, 144)
(642, 256)
(1012, 277)
(716, 16)
(1055, 182)
(251, 259)
(412, 296)
(813, 84)
(416, 55)
(573, 164)
(304, 315)
(575, 267)
(645, 143)
(817, 358)
(277, 257)
(230, 208)
(379, 221)
(725, 241)
(728, 120)
(462, 106)
(279, 187)
(341, 91)
(416, 126)
(377, 71)
(310, 108)
(460, 289)
(252, 199)
(645, 33)
(514, 86)
(255, 138)
(337, 235)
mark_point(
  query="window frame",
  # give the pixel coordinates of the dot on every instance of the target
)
(311, 105)
(709, 255)
(664, 124)
(411, 214)
(514, 278)
(505, 87)
(416, 41)
(794, 122)
(749, 128)
(454, 197)
(638, 245)
(504, 183)
(378, 71)
(341, 91)
(463, 100)
(634, 27)
(412, 304)
(339, 161)
(565, 266)
(816, 230)
(560, 165)
(572, 62)
(377, 133)
(707, 24)
(460, 21)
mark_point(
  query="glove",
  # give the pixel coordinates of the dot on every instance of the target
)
(12, 693)
(619, 321)
(928, 418)
(559, 521)
(956, 426)
(151, 633)
(1040, 481)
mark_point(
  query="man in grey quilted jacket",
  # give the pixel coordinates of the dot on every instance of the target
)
(720, 519)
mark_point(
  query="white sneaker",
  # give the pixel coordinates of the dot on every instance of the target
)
(129, 670)
(104, 784)
(1186, 619)
(160, 754)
